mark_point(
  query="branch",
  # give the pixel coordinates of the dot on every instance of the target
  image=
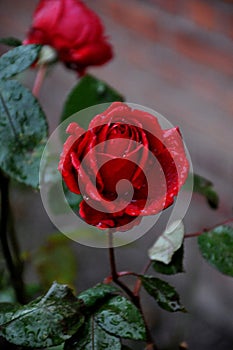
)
(16, 277)
(196, 234)
(134, 298)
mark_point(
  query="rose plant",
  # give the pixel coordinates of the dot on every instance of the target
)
(119, 143)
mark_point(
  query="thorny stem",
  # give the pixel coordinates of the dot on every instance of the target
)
(14, 242)
(138, 283)
(113, 268)
(134, 298)
(15, 275)
(39, 79)
(196, 234)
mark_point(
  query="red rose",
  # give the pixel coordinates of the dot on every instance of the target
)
(122, 143)
(73, 30)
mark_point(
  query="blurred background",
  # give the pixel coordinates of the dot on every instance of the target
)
(176, 57)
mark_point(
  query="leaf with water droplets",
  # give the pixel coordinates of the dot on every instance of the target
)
(17, 60)
(23, 133)
(120, 317)
(45, 322)
(205, 188)
(97, 294)
(168, 243)
(165, 295)
(92, 337)
(89, 91)
(216, 247)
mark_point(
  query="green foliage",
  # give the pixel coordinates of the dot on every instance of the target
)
(165, 295)
(97, 294)
(45, 322)
(23, 133)
(89, 91)
(116, 318)
(93, 337)
(120, 317)
(11, 41)
(55, 260)
(168, 243)
(17, 60)
(205, 188)
(175, 266)
(73, 199)
(216, 247)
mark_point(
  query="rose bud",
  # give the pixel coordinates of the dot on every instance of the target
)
(125, 166)
(73, 30)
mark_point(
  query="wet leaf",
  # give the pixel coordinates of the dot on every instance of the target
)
(175, 266)
(11, 41)
(120, 317)
(205, 188)
(99, 293)
(168, 243)
(55, 261)
(89, 91)
(17, 60)
(165, 295)
(45, 322)
(216, 247)
(92, 337)
(59, 347)
(23, 133)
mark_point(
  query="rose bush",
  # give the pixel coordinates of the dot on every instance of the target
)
(73, 30)
(122, 143)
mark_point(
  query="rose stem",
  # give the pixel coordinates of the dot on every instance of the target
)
(134, 298)
(39, 80)
(16, 277)
(196, 234)
(14, 242)
(138, 283)
(113, 268)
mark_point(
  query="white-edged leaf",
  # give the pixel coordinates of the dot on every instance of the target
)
(168, 243)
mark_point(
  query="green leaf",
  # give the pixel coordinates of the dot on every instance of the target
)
(89, 91)
(99, 293)
(216, 247)
(11, 41)
(73, 199)
(56, 252)
(59, 347)
(205, 188)
(175, 266)
(168, 243)
(92, 337)
(120, 317)
(165, 295)
(17, 60)
(45, 322)
(23, 133)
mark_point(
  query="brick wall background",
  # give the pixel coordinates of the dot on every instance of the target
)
(175, 56)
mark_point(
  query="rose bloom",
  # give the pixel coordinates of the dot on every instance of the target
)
(122, 143)
(73, 30)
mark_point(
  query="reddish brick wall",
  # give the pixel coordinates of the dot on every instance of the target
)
(200, 30)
